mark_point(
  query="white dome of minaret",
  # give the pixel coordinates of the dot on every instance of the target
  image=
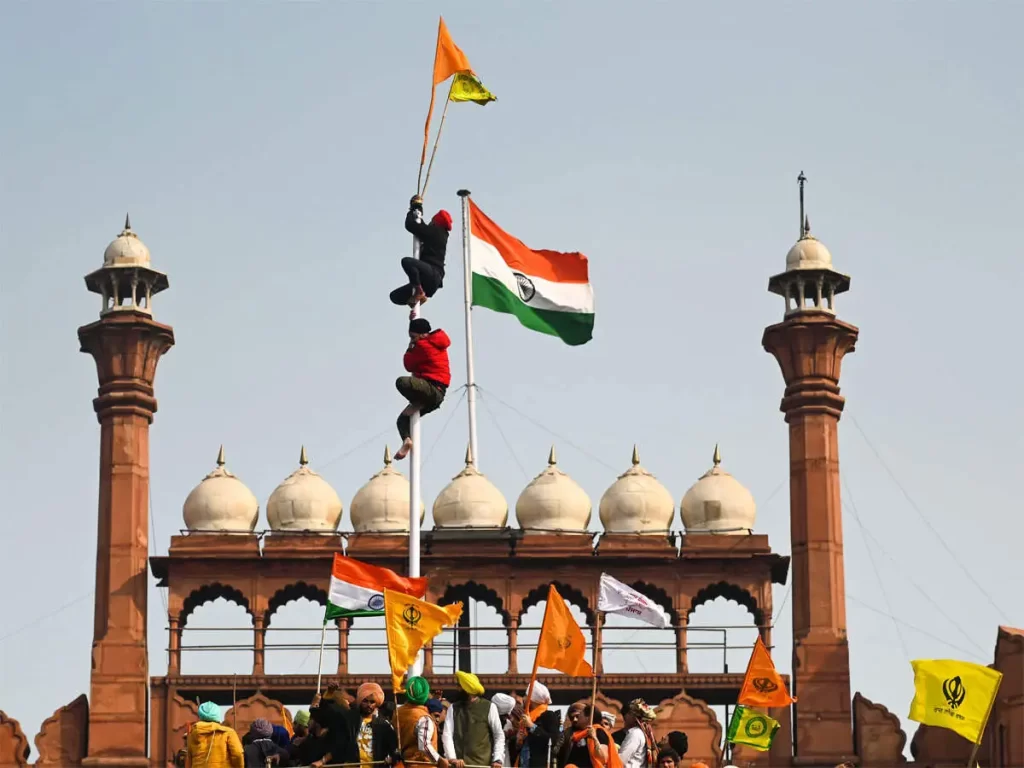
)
(221, 502)
(637, 503)
(718, 503)
(126, 250)
(809, 283)
(382, 505)
(553, 502)
(304, 501)
(470, 500)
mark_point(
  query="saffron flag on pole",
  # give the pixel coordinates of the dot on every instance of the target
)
(547, 291)
(448, 60)
(357, 588)
(957, 695)
(763, 686)
(411, 624)
(752, 728)
(562, 645)
(616, 597)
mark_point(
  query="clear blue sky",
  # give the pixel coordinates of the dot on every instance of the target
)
(266, 153)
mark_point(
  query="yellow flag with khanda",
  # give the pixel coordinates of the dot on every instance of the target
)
(466, 87)
(561, 645)
(957, 695)
(412, 623)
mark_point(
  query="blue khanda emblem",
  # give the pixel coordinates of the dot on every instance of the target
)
(376, 603)
(527, 290)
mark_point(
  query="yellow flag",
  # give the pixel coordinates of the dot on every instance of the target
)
(957, 695)
(465, 87)
(411, 624)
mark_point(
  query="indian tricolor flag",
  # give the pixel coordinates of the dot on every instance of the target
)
(357, 589)
(548, 291)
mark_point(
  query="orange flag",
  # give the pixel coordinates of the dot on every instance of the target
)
(562, 645)
(448, 60)
(763, 686)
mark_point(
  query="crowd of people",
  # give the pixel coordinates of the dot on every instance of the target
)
(470, 731)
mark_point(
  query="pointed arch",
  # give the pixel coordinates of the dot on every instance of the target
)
(455, 593)
(658, 595)
(569, 593)
(292, 592)
(730, 592)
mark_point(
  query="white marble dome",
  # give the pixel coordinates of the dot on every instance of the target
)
(718, 503)
(808, 253)
(470, 500)
(382, 505)
(221, 502)
(126, 250)
(637, 503)
(304, 501)
(553, 502)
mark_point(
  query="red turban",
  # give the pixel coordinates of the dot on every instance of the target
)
(443, 219)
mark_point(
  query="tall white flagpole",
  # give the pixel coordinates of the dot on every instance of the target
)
(415, 494)
(468, 290)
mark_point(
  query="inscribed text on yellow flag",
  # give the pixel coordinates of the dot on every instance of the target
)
(957, 695)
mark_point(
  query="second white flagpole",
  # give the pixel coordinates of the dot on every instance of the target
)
(415, 494)
(468, 287)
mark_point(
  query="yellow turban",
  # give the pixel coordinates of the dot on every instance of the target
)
(470, 683)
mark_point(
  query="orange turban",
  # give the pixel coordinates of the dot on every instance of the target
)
(370, 690)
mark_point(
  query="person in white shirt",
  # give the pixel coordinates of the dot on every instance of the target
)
(505, 705)
(472, 732)
(426, 729)
(639, 747)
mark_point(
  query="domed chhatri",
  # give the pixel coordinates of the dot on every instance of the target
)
(382, 505)
(126, 250)
(808, 252)
(637, 503)
(470, 500)
(718, 503)
(553, 502)
(304, 501)
(221, 502)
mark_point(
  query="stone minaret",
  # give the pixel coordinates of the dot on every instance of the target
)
(126, 344)
(810, 344)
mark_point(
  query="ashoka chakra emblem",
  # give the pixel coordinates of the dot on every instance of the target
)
(376, 603)
(526, 288)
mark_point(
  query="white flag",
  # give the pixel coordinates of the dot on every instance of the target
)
(616, 597)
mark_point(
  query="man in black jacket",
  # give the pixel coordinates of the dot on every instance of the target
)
(356, 734)
(426, 274)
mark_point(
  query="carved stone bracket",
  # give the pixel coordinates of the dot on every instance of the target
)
(63, 739)
(14, 748)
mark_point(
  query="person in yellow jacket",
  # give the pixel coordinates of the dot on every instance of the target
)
(212, 745)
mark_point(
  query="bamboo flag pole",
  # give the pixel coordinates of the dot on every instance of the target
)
(984, 725)
(437, 139)
(234, 698)
(598, 617)
(320, 663)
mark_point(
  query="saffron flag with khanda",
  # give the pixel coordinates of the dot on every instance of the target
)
(957, 695)
(449, 60)
(562, 645)
(357, 588)
(547, 291)
(411, 624)
(763, 686)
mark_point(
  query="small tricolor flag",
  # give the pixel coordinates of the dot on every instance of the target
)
(547, 291)
(357, 588)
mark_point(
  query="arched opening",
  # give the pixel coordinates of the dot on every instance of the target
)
(293, 640)
(532, 616)
(217, 639)
(629, 645)
(368, 646)
(721, 631)
(480, 644)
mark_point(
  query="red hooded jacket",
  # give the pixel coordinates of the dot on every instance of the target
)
(427, 358)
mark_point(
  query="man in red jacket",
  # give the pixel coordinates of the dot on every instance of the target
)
(427, 360)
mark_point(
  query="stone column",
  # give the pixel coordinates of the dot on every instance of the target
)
(513, 645)
(259, 652)
(343, 626)
(174, 646)
(682, 665)
(126, 346)
(809, 347)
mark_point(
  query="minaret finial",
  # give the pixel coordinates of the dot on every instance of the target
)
(470, 460)
(801, 180)
(127, 221)
(220, 456)
(636, 456)
(551, 457)
(807, 225)
(387, 455)
(717, 458)
(303, 459)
